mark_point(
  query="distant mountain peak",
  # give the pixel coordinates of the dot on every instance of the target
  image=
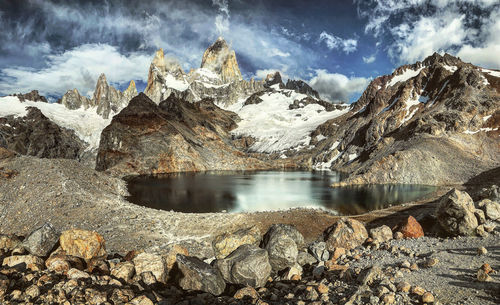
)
(221, 59)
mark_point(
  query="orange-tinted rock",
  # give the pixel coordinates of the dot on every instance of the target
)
(345, 233)
(410, 228)
(82, 243)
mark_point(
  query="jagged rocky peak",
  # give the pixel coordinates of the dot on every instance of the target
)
(107, 98)
(72, 99)
(273, 79)
(221, 59)
(301, 87)
(131, 91)
(34, 96)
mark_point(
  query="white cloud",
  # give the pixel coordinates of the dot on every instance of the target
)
(276, 52)
(369, 59)
(337, 87)
(222, 19)
(334, 42)
(80, 68)
(427, 35)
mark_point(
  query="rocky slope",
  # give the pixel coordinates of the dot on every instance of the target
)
(434, 122)
(35, 135)
(173, 136)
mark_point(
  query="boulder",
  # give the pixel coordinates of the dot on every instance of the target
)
(345, 233)
(42, 240)
(171, 257)
(226, 243)
(34, 263)
(282, 242)
(82, 243)
(456, 213)
(76, 274)
(410, 228)
(491, 209)
(155, 263)
(381, 234)
(200, 276)
(305, 258)
(284, 230)
(248, 265)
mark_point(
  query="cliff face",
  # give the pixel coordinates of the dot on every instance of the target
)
(433, 122)
(220, 59)
(174, 136)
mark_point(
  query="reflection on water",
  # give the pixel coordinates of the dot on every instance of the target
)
(264, 191)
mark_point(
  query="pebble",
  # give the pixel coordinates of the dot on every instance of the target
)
(417, 290)
(389, 298)
(431, 262)
(427, 298)
(482, 251)
(403, 286)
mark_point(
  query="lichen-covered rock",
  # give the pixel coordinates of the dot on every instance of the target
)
(456, 213)
(61, 263)
(123, 270)
(282, 242)
(319, 251)
(248, 265)
(154, 263)
(345, 233)
(226, 243)
(381, 234)
(491, 209)
(199, 276)
(42, 240)
(9, 242)
(410, 228)
(82, 243)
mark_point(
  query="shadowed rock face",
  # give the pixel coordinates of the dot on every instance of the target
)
(433, 122)
(174, 136)
(220, 59)
(35, 135)
(31, 96)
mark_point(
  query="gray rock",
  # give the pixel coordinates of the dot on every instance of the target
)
(226, 243)
(282, 242)
(491, 209)
(248, 265)
(284, 230)
(455, 213)
(319, 251)
(481, 219)
(200, 276)
(41, 240)
(371, 275)
(381, 234)
(305, 258)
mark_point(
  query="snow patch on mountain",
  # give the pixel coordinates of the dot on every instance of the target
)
(172, 82)
(276, 127)
(86, 123)
(406, 75)
(491, 72)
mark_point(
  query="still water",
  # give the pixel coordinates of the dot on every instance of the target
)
(264, 191)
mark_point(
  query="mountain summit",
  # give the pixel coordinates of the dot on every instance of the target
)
(221, 59)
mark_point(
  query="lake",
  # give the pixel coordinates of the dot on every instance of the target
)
(253, 191)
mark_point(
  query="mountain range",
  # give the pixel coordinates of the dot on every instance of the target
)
(433, 122)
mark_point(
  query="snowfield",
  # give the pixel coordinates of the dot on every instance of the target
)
(406, 75)
(87, 124)
(277, 128)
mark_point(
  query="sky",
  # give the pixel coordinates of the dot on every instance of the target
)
(336, 46)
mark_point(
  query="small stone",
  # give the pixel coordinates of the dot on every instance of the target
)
(398, 235)
(246, 292)
(305, 258)
(381, 234)
(481, 251)
(41, 240)
(414, 267)
(389, 298)
(491, 209)
(148, 278)
(75, 274)
(482, 276)
(382, 290)
(141, 300)
(34, 263)
(427, 298)
(311, 294)
(345, 233)
(155, 263)
(337, 253)
(322, 288)
(32, 291)
(9, 242)
(319, 251)
(405, 264)
(403, 286)
(226, 243)
(431, 262)
(61, 263)
(480, 231)
(486, 268)
(124, 271)
(417, 290)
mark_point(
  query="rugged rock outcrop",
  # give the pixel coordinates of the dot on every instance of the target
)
(301, 87)
(73, 100)
(434, 122)
(173, 136)
(34, 96)
(36, 135)
(221, 59)
(455, 213)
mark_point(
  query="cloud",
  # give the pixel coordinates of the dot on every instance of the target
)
(262, 74)
(76, 68)
(337, 87)
(414, 29)
(276, 52)
(222, 19)
(334, 42)
(369, 59)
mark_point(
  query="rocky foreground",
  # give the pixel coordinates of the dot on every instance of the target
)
(449, 257)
